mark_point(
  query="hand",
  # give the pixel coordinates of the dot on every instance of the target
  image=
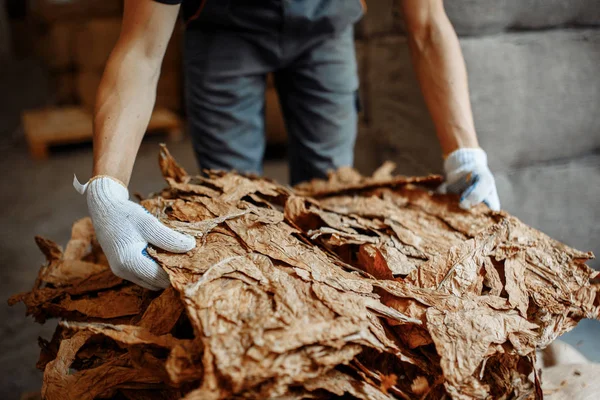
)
(124, 229)
(467, 174)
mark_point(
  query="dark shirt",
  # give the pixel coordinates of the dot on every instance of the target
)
(299, 16)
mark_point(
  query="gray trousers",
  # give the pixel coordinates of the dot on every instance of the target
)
(316, 79)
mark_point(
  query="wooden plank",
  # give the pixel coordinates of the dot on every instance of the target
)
(52, 126)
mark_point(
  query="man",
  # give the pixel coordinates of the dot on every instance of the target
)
(230, 46)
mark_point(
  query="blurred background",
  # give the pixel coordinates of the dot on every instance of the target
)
(534, 75)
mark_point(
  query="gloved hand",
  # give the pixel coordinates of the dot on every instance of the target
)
(467, 174)
(124, 229)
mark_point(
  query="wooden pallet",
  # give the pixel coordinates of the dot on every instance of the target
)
(65, 125)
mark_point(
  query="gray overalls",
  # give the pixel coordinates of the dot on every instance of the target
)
(230, 46)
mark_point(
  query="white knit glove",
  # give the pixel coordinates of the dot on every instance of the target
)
(124, 229)
(467, 174)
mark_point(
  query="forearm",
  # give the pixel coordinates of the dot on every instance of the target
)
(127, 91)
(440, 68)
(123, 108)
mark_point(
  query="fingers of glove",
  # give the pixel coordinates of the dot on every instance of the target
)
(136, 265)
(479, 191)
(492, 201)
(461, 184)
(161, 236)
(123, 273)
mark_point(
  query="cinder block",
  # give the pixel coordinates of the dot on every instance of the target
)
(535, 98)
(535, 95)
(367, 151)
(361, 49)
(381, 18)
(480, 17)
(537, 14)
(561, 199)
(397, 112)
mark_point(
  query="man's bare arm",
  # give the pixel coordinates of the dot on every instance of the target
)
(441, 71)
(127, 91)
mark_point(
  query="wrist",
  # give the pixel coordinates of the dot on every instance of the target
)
(458, 139)
(114, 170)
(103, 189)
(112, 178)
(448, 152)
(463, 157)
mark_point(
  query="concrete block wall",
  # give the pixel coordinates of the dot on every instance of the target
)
(534, 80)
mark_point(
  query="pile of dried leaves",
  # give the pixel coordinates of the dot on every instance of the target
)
(368, 288)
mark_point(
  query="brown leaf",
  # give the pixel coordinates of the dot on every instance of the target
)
(169, 167)
(163, 312)
(347, 179)
(376, 290)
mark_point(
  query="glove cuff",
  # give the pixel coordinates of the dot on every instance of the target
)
(465, 157)
(103, 188)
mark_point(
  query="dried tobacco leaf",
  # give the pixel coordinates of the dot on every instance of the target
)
(347, 179)
(371, 288)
